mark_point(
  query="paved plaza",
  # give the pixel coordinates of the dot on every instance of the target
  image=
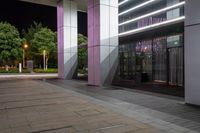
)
(37, 106)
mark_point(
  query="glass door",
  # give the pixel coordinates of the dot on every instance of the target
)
(160, 59)
(175, 56)
(144, 60)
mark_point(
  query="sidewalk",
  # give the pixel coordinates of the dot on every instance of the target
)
(156, 107)
(33, 106)
(38, 107)
(7, 76)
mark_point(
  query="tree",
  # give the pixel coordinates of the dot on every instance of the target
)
(29, 35)
(82, 52)
(82, 39)
(10, 44)
(44, 39)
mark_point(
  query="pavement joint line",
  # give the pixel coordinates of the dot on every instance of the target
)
(52, 129)
(115, 126)
(22, 87)
(33, 106)
(29, 106)
(34, 99)
(28, 94)
(31, 94)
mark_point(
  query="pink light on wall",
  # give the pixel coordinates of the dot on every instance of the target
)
(93, 43)
(60, 38)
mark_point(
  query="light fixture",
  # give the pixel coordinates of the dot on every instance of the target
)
(121, 3)
(25, 45)
(137, 7)
(179, 19)
(153, 13)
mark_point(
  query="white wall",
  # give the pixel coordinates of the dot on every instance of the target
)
(192, 52)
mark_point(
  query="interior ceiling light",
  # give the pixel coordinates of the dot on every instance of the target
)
(179, 19)
(137, 7)
(153, 13)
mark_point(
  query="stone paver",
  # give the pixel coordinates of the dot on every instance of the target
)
(28, 106)
(159, 110)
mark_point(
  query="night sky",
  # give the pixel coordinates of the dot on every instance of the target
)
(22, 15)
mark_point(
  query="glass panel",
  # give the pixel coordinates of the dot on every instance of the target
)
(144, 58)
(160, 59)
(127, 61)
(174, 41)
(151, 20)
(176, 66)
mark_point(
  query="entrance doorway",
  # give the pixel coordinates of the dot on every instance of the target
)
(175, 68)
(157, 60)
(82, 67)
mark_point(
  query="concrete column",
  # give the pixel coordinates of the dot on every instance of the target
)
(192, 52)
(102, 41)
(67, 38)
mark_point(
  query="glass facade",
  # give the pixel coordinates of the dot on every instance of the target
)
(159, 59)
(140, 13)
(146, 57)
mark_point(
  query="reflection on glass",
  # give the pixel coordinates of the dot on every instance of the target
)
(159, 60)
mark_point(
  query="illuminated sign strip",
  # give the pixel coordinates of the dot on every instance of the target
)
(179, 19)
(153, 13)
(137, 7)
(123, 2)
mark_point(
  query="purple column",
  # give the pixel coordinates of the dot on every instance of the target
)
(67, 38)
(60, 33)
(102, 41)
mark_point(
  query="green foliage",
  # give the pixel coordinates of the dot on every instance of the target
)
(13, 70)
(16, 70)
(10, 44)
(82, 53)
(44, 39)
(82, 39)
(38, 39)
(50, 70)
(29, 34)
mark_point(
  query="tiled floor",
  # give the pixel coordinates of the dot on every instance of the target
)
(28, 106)
(157, 107)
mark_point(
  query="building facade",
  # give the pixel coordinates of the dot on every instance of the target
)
(151, 41)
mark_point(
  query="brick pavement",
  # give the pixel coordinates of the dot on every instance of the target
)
(28, 106)
(159, 110)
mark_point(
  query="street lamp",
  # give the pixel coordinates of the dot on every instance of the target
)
(24, 47)
(44, 54)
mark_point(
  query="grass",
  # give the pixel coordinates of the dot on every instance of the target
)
(49, 70)
(13, 70)
(16, 70)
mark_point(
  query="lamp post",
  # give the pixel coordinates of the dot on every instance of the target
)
(44, 54)
(25, 47)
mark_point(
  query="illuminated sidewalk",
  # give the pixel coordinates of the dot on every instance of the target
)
(27, 76)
